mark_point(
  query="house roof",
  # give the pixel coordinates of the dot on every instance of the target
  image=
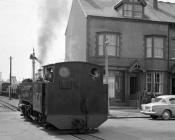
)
(105, 8)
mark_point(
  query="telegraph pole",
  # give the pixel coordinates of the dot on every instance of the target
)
(106, 62)
(33, 65)
(34, 59)
(10, 78)
(106, 68)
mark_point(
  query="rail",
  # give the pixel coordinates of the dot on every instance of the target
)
(9, 106)
(88, 137)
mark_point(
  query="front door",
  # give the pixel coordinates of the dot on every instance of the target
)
(133, 87)
(173, 86)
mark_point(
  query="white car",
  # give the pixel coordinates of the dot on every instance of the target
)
(163, 106)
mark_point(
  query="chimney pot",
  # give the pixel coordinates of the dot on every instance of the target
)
(154, 3)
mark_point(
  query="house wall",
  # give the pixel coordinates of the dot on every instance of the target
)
(171, 64)
(171, 36)
(132, 48)
(132, 41)
(76, 34)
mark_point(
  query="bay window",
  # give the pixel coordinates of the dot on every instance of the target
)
(154, 82)
(172, 53)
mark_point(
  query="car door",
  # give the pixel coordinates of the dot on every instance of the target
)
(172, 105)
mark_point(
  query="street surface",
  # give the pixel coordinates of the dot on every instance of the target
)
(15, 127)
(138, 129)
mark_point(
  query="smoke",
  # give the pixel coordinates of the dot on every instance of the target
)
(53, 15)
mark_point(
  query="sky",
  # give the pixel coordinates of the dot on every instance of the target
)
(28, 24)
(24, 26)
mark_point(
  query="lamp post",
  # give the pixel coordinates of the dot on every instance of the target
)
(10, 78)
(106, 67)
(106, 62)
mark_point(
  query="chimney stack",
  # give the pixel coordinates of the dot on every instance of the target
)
(154, 3)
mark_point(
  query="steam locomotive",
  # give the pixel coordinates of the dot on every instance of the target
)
(71, 96)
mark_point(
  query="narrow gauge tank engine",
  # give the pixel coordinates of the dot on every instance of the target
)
(71, 96)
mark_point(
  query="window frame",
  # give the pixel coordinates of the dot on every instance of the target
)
(133, 3)
(172, 55)
(117, 45)
(154, 82)
(148, 82)
(49, 75)
(125, 11)
(153, 48)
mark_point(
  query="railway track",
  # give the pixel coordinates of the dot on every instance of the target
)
(9, 106)
(88, 137)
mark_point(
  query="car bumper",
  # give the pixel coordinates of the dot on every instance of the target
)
(149, 112)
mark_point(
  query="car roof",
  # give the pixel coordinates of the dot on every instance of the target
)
(166, 96)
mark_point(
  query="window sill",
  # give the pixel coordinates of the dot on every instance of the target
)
(97, 56)
(155, 58)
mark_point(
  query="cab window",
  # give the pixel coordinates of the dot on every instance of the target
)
(49, 74)
(94, 73)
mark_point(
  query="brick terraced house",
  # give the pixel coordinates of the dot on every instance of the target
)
(140, 39)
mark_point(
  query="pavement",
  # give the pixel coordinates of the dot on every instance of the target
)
(115, 112)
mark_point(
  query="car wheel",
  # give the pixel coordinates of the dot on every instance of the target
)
(166, 115)
(154, 117)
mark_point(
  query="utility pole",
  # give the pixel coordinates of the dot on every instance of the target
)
(106, 68)
(10, 78)
(106, 62)
(34, 59)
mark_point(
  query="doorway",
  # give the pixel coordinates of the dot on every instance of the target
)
(133, 87)
(173, 86)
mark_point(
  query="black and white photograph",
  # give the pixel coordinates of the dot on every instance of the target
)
(87, 70)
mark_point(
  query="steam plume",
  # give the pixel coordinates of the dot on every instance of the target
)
(54, 14)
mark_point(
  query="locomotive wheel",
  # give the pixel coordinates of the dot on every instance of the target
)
(79, 125)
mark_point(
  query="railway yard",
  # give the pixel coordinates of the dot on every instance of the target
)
(16, 127)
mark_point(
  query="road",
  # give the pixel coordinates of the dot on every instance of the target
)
(15, 127)
(138, 129)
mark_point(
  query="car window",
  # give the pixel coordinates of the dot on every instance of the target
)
(164, 101)
(157, 99)
(172, 100)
